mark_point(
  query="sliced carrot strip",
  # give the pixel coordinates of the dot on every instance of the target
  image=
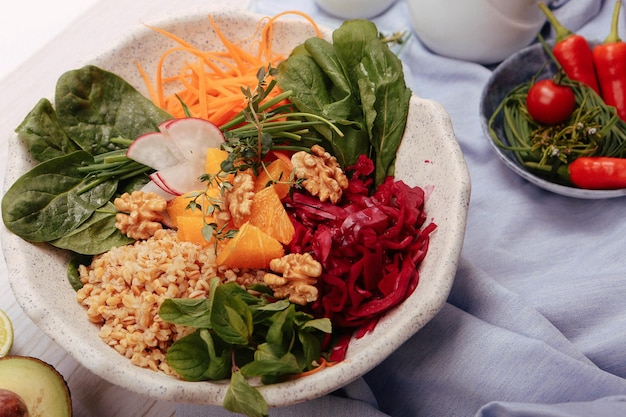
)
(209, 84)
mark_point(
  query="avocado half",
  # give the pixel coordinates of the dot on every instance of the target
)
(42, 388)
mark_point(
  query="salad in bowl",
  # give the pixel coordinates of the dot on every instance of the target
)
(227, 208)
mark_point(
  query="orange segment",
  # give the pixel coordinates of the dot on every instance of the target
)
(250, 248)
(277, 172)
(268, 214)
(214, 159)
(179, 205)
(190, 229)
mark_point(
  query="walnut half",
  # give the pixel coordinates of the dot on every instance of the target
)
(140, 214)
(237, 200)
(322, 174)
(299, 276)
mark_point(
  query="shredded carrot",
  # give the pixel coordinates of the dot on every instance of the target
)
(209, 85)
(323, 364)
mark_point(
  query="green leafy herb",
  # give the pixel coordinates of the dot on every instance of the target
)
(73, 275)
(187, 312)
(243, 398)
(231, 318)
(81, 146)
(358, 82)
(265, 125)
(95, 235)
(200, 356)
(93, 106)
(43, 134)
(44, 204)
(243, 335)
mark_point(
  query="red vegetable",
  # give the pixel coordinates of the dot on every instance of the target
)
(573, 52)
(370, 246)
(550, 103)
(610, 62)
(598, 172)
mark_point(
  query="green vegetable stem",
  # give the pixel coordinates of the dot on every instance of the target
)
(593, 129)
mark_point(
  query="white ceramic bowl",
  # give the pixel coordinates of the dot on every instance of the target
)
(429, 156)
(514, 71)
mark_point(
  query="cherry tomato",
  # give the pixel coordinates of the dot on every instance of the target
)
(550, 103)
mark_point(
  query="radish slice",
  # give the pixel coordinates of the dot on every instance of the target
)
(191, 137)
(152, 149)
(159, 183)
(182, 178)
(152, 187)
(178, 153)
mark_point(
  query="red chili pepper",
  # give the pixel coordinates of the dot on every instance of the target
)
(573, 52)
(610, 62)
(598, 172)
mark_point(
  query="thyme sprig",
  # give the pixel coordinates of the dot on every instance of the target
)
(396, 40)
(266, 123)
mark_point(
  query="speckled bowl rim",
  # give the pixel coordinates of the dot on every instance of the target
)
(429, 156)
(516, 69)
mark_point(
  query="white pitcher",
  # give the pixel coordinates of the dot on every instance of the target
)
(483, 31)
(355, 9)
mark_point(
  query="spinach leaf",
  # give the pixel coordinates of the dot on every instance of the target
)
(385, 101)
(313, 94)
(56, 202)
(357, 82)
(344, 106)
(72, 270)
(43, 135)
(93, 106)
(351, 42)
(46, 203)
(96, 235)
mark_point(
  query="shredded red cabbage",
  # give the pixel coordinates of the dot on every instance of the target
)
(369, 244)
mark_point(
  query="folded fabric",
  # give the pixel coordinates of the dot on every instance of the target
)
(535, 324)
(605, 407)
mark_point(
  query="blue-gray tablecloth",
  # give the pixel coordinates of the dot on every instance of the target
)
(535, 324)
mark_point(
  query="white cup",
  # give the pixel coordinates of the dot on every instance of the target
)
(483, 31)
(355, 9)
